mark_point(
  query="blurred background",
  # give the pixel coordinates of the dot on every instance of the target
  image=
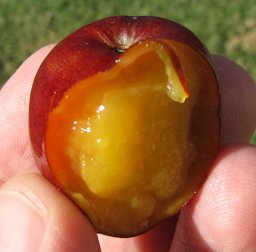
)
(226, 27)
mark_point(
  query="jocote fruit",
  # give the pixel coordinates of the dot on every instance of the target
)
(124, 119)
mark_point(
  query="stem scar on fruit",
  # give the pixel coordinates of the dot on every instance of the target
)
(124, 119)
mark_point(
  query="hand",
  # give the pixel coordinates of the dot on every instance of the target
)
(34, 216)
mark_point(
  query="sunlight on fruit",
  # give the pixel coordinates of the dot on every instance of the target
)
(126, 136)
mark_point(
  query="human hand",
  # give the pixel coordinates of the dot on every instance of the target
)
(34, 216)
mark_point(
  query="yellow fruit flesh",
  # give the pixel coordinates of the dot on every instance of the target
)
(120, 145)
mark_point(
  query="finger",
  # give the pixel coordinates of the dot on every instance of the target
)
(221, 217)
(14, 99)
(238, 102)
(158, 239)
(34, 216)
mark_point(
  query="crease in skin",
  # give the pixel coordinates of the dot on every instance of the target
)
(29, 198)
(8, 167)
(38, 202)
(3, 176)
(26, 194)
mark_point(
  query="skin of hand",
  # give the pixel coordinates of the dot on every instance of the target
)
(35, 216)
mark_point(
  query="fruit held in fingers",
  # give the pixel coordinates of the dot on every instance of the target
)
(124, 119)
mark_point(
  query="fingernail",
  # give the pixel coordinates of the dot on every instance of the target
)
(21, 223)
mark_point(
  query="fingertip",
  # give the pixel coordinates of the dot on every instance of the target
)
(14, 99)
(19, 219)
(26, 71)
(238, 102)
(221, 217)
(62, 225)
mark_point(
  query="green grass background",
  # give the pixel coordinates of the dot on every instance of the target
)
(227, 27)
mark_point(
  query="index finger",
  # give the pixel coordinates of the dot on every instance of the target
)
(16, 156)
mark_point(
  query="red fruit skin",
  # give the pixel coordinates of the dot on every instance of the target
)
(92, 49)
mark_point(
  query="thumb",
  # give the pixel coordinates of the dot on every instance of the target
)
(34, 216)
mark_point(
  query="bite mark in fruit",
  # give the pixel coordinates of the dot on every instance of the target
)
(118, 128)
(107, 119)
(129, 126)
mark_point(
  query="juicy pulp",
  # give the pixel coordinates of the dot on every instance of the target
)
(123, 144)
